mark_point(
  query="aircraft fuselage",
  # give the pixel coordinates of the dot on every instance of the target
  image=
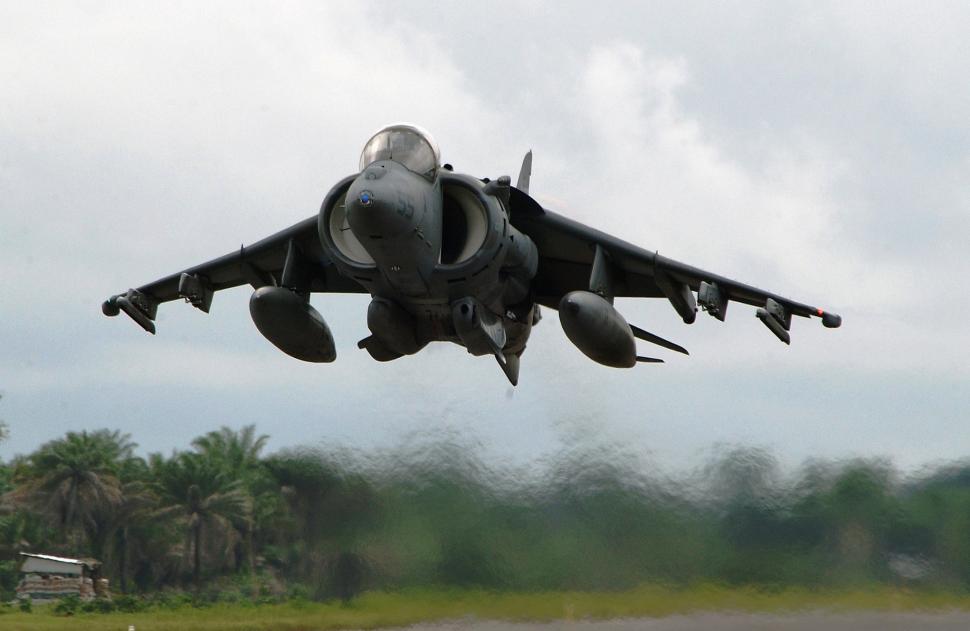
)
(439, 257)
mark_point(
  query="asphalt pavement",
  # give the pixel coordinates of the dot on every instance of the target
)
(862, 621)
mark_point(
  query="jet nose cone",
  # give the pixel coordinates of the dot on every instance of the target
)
(374, 205)
(386, 201)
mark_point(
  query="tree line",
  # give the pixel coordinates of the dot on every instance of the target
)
(222, 515)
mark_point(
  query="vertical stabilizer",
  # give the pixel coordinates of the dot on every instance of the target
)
(525, 173)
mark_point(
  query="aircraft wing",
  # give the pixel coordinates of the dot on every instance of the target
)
(568, 253)
(290, 258)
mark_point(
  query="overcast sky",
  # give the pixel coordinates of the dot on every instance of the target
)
(819, 150)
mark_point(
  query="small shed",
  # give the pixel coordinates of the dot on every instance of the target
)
(48, 577)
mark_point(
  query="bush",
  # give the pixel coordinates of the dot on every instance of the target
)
(129, 604)
(25, 605)
(298, 592)
(9, 576)
(67, 606)
(98, 605)
(174, 601)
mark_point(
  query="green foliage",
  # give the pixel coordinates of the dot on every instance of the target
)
(98, 605)
(235, 453)
(128, 603)
(9, 577)
(6, 478)
(67, 605)
(209, 503)
(240, 527)
(73, 480)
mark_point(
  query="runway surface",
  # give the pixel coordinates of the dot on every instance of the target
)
(863, 621)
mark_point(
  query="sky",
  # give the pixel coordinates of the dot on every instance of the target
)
(820, 150)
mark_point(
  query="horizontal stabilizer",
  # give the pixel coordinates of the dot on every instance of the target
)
(656, 339)
(649, 360)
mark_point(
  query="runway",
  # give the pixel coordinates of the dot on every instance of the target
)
(811, 621)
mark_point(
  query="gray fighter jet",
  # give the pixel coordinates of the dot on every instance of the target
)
(451, 257)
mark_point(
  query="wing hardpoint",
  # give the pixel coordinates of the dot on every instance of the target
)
(290, 258)
(569, 251)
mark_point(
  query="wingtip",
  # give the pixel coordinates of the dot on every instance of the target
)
(830, 320)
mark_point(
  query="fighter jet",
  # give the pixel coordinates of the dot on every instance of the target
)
(455, 258)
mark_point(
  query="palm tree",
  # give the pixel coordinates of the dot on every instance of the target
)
(237, 452)
(126, 522)
(199, 492)
(75, 479)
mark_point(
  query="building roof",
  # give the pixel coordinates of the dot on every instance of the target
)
(48, 557)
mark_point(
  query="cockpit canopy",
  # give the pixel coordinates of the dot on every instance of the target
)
(408, 145)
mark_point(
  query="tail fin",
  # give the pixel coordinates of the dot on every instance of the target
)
(525, 173)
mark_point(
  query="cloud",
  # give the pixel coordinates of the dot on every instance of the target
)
(692, 199)
(162, 136)
(817, 153)
(656, 176)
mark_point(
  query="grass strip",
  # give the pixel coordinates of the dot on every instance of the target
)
(390, 609)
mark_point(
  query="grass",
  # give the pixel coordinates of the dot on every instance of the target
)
(380, 609)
